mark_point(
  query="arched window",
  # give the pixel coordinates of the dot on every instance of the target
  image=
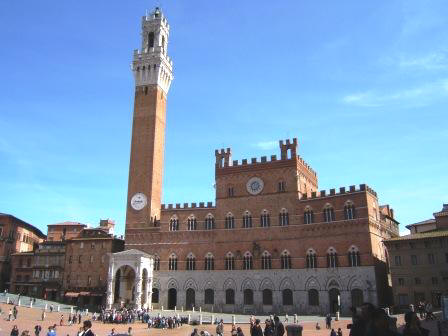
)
(354, 259)
(209, 296)
(281, 187)
(287, 297)
(248, 296)
(151, 40)
(332, 258)
(266, 260)
(174, 223)
(247, 220)
(230, 221)
(155, 295)
(230, 296)
(311, 259)
(172, 262)
(328, 213)
(283, 217)
(209, 262)
(308, 216)
(247, 261)
(191, 262)
(349, 210)
(209, 222)
(313, 297)
(267, 297)
(285, 260)
(230, 261)
(156, 263)
(265, 220)
(192, 223)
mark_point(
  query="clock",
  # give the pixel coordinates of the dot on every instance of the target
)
(255, 185)
(138, 201)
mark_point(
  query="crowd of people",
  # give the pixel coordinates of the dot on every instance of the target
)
(425, 310)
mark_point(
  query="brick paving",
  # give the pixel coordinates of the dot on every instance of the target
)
(29, 317)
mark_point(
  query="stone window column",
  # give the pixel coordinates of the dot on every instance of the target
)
(110, 284)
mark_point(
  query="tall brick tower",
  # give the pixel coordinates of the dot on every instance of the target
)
(152, 70)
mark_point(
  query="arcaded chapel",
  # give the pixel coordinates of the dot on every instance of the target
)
(270, 242)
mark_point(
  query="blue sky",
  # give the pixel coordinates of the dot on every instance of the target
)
(362, 84)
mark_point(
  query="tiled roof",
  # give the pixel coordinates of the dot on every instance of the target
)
(421, 235)
(428, 221)
(68, 223)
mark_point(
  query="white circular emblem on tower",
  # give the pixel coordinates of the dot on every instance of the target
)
(254, 186)
(138, 201)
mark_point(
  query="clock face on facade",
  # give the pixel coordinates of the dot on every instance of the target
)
(138, 201)
(254, 186)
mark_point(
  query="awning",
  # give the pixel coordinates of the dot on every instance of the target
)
(84, 293)
(71, 294)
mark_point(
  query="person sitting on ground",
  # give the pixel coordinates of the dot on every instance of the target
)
(25, 333)
(412, 326)
(205, 333)
(195, 332)
(317, 326)
(15, 331)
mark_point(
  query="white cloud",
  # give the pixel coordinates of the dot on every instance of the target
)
(417, 96)
(433, 61)
(265, 145)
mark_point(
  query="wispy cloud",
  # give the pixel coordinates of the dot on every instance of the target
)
(421, 95)
(265, 145)
(432, 61)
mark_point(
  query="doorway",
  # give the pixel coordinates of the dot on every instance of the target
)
(190, 298)
(172, 298)
(333, 299)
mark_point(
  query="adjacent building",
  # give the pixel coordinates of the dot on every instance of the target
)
(419, 261)
(16, 236)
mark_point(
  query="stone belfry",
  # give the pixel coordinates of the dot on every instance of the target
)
(153, 73)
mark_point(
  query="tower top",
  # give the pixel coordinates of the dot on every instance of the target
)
(151, 64)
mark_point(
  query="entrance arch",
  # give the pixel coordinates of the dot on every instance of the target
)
(125, 285)
(333, 299)
(357, 297)
(191, 298)
(172, 298)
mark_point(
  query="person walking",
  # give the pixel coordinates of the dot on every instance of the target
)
(10, 315)
(14, 331)
(268, 328)
(328, 321)
(15, 311)
(256, 329)
(61, 321)
(279, 329)
(220, 328)
(339, 332)
(332, 332)
(79, 318)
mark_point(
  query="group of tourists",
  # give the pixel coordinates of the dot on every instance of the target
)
(85, 330)
(425, 310)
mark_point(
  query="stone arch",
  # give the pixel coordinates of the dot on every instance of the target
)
(190, 283)
(229, 283)
(172, 283)
(308, 208)
(331, 249)
(312, 283)
(354, 283)
(353, 248)
(208, 284)
(286, 283)
(333, 283)
(247, 284)
(267, 283)
(156, 284)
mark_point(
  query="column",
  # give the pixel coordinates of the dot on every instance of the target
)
(138, 287)
(145, 293)
(110, 282)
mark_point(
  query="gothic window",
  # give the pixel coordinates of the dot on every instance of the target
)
(89, 281)
(192, 223)
(267, 297)
(283, 217)
(349, 210)
(328, 213)
(209, 296)
(332, 258)
(79, 259)
(172, 262)
(230, 221)
(174, 223)
(230, 261)
(230, 296)
(308, 216)
(311, 259)
(265, 219)
(285, 260)
(287, 297)
(248, 296)
(151, 40)
(209, 262)
(209, 222)
(191, 262)
(247, 261)
(354, 258)
(156, 263)
(281, 186)
(155, 295)
(247, 220)
(313, 297)
(266, 260)
(230, 192)
(91, 259)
